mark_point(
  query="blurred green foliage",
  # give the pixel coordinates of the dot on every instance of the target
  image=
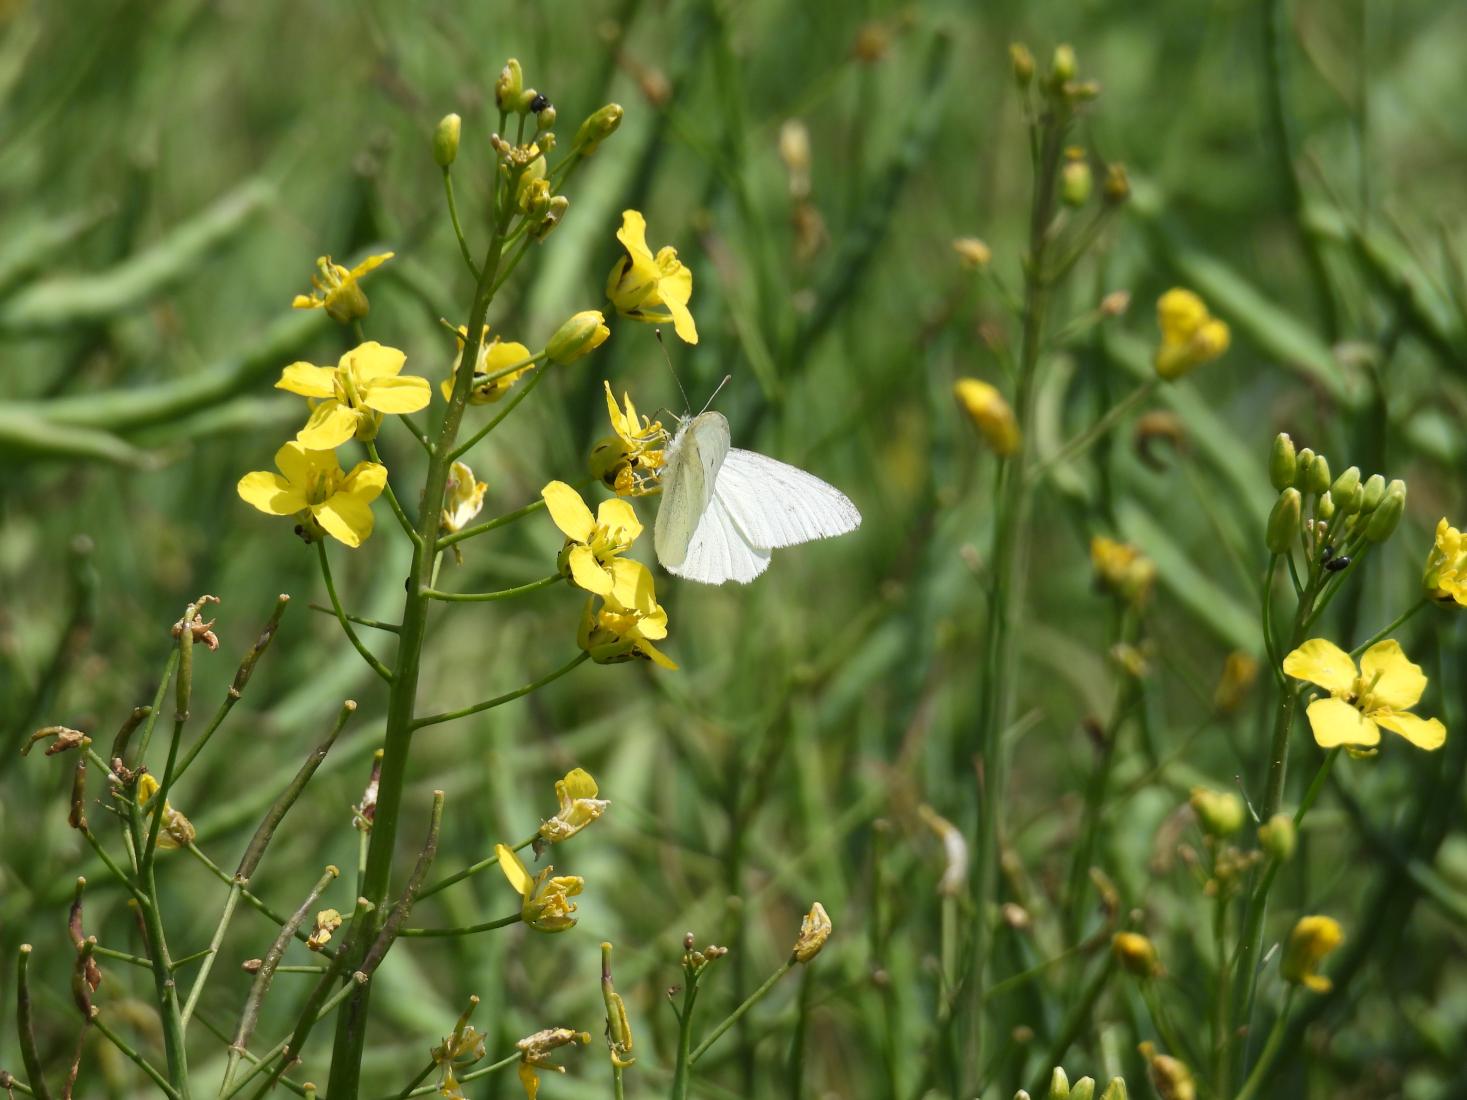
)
(169, 172)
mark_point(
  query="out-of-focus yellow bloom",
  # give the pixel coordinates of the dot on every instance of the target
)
(580, 335)
(327, 922)
(312, 487)
(177, 830)
(1240, 672)
(1136, 954)
(1122, 568)
(1311, 940)
(350, 398)
(337, 290)
(1220, 813)
(1172, 1078)
(591, 557)
(815, 929)
(1381, 693)
(990, 414)
(626, 623)
(545, 903)
(629, 461)
(1190, 336)
(650, 288)
(974, 253)
(497, 367)
(535, 1054)
(1446, 566)
(579, 806)
(463, 497)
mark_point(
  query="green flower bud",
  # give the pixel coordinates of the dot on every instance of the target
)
(509, 85)
(579, 336)
(1316, 478)
(1023, 63)
(1062, 68)
(1283, 464)
(1352, 503)
(1278, 837)
(445, 140)
(1344, 485)
(1325, 509)
(1116, 1090)
(1059, 1085)
(1218, 812)
(1383, 521)
(1083, 1089)
(599, 126)
(1375, 487)
(545, 117)
(1301, 467)
(527, 101)
(1075, 183)
(1283, 522)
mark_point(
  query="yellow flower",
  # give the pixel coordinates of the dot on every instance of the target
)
(314, 488)
(535, 1054)
(545, 900)
(463, 497)
(651, 288)
(337, 290)
(590, 557)
(350, 398)
(1122, 568)
(1170, 1076)
(990, 414)
(1311, 940)
(1190, 336)
(177, 830)
(327, 922)
(973, 253)
(629, 461)
(1136, 954)
(1446, 566)
(579, 806)
(497, 367)
(626, 624)
(1381, 693)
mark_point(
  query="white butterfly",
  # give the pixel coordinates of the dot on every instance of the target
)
(723, 510)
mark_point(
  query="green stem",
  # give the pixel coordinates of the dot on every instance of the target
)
(1395, 625)
(737, 1014)
(509, 407)
(682, 1074)
(183, 687)
(1096, 431)
(351, 635)
(490, 597)
(458, 232)
(230, 902)
(473, 869)
(484, 1071)
(374, 624)
(500, 700)
(252, 900)
(490, 525)
(465, 930)
(1270, 1050)
(30, 1056)
(1222, 1000)
(1080, 1015)
(392, 501)
(164, 986)
(133, 1056)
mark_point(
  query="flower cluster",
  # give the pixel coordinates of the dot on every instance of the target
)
(1190, 335)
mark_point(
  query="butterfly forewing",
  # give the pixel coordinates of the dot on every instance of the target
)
(693, 460)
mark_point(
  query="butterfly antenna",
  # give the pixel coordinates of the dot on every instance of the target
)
(726, 379)
(687, 405)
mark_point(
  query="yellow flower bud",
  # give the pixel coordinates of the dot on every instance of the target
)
(1023, 63)
(1062, 68)
(1375, 487)
(599, 126)
(177, 831)
(1316, 476)
(1116, 1090)
(1122, 569)
(990, 414)
(1136, 954)
(1059, 1085)
(1171, 1077)
(974, 254)
(1278, 837)
(815, 929)
(1117, 187)
(1190, 336)
(580, 335)
(1312, 939)
(1445, 576)
(1218, 812)
(509, 85)
(1075, 182)
(445, 140)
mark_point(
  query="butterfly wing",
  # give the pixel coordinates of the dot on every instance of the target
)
(693, 460)
(775, 504)
(718, 551)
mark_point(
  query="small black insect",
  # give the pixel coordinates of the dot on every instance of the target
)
(539, 103)
(1327, 553)
(1336, 564)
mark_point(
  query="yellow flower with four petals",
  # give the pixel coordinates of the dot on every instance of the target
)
(626, 623)
(497, 367)
(1380, 693)
(337, 291)
(591, 557)
(312, 486)
(651, 288)
(1446, 566)
(579, 806)
(1190, 335)
(352, 396)
(629, 461)
(545, 903)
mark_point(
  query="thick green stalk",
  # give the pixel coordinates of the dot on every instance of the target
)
(737, 1014)
(351, 1030)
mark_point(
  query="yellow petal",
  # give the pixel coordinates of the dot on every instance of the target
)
(568, 511)
(307, 379)
(660, 659)
(365, 482)
(1179, 314)
(514, 870)
(633, 235)
(579, 784)
(530, 1079)
(306, 301)
(587, 572)
(631, 584)
(301, 466)
(505, 354)
(370, 263)
(330, 425)
(617, 514)
(1322, 662)
(1335, 722)
(346, 518)
(372, 361)
(1398, 683)
(271, 493)
(618, 421)
(1424, 733)
(398, 395)
(683, 323)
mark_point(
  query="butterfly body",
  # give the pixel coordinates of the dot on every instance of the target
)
(723, 509)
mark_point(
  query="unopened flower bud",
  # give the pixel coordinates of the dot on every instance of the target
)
(1083, 1089)
(1218, 812)
(529, 99)
(1283, 522)
(1375, 487)
(1344, 486)
(1312, 939)
(1278, 837)
(554, 212)
(1171, 1077)
(1075, 183)
(582, 334)
(1301, 467)
(509, 85)
(1116, 1090)
(1117, 186)
(1317, 477)
(1325, 509)
(1136, 954)
(974, 254)
(1023, 63)
(815, 929)
(1383, 521)
(599, 126)
(1115, 303)
(545, 117)
(1062, 67)
(1059, 1085)
(1283, 463)
(445, 140)
(990, 414)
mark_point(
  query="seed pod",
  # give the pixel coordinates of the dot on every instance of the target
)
(1283, 464)
(1283, 522)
